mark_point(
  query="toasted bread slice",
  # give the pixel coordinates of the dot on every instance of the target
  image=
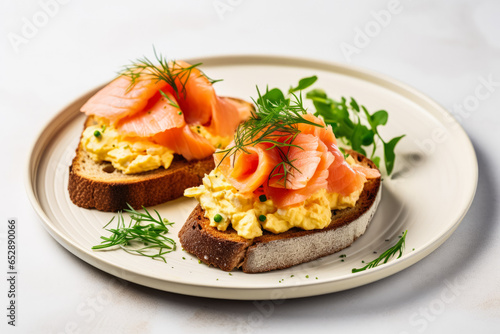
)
(227, 251)
(100, 186)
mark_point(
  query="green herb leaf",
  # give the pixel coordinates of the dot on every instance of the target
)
(303, 84)
(385, 256)
(320, 100)
(389, 154)
(357, 138)
(354, 104)
(271, 97)
(347, 126)
(378, 118)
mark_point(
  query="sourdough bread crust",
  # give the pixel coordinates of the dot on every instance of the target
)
(223, 249)
(283, 250)
(144, 189)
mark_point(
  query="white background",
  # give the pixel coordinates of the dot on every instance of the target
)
(443, 48)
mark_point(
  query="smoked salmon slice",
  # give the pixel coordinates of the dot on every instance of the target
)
(304, 157)
(195, 93)
(160, 114)
(226, 117)
(119, 99)
(312, 162)
(288, 197)
(369, 173)
(342, 178)
(323, 132)
(185, 142)
(161, 103)
(201, 105)
(248, 170)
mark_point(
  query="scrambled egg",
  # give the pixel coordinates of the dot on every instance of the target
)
(249, 213)
(216, 141)
(130, 155)
(135, 155)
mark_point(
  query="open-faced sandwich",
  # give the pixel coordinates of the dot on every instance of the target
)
(149, 135)
(282, 193)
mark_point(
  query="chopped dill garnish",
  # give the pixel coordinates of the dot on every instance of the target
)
(169, 71)
(274, 122)
(150, 235)
(385, 256)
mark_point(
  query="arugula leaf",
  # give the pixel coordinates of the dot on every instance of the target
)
(346, 123)
(354, 104)
(274, 96)
(303, 84)
(378, 118)
(390, 157)
(357, 139)
(344, 118)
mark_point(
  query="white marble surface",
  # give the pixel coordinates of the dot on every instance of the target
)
(442, 48)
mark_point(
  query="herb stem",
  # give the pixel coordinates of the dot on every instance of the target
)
(385, 256)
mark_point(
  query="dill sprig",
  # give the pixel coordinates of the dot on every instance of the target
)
(385, 256)
(151, 236)
(170, 101)
(273, 122)
(168, 71)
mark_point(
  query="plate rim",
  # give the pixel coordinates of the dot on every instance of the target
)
(245, 292)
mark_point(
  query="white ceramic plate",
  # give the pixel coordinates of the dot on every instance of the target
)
(428, 194)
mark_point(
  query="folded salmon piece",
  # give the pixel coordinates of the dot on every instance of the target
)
(290, 174)
(150, 107)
